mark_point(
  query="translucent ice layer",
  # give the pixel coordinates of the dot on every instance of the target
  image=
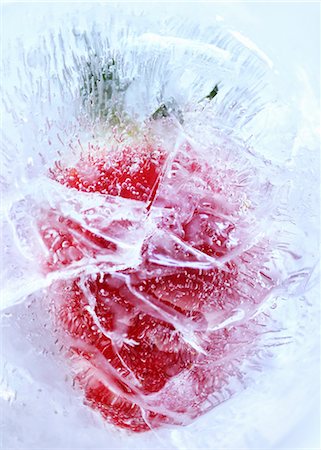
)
(157, 249)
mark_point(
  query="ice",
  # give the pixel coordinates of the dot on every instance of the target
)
(158, 244)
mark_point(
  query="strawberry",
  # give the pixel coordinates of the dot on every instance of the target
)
(133, 173)
(146, 343)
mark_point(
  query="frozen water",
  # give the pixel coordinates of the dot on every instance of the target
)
(192, 263)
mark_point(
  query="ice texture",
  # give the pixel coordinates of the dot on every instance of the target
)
(158, 245)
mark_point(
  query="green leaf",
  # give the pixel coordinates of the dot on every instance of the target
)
(160, 112)
(213, 93)
(102, 88)
(167, 109)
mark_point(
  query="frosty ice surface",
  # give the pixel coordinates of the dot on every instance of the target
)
(155, 244)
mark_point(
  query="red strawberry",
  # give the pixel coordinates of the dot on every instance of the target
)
(132, 173)
(143, 341)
